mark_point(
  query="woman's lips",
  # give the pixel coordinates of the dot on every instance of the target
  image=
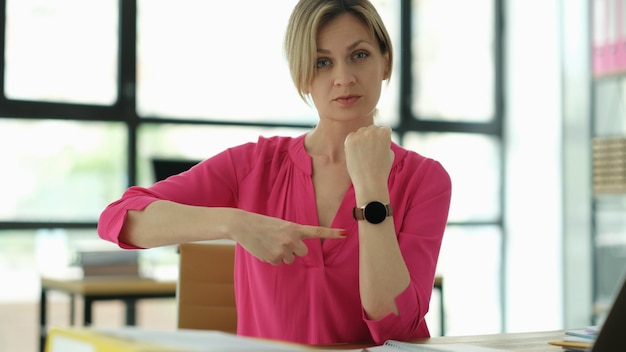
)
(347, 100)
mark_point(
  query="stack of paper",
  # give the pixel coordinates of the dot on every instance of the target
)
(109, 262)
(578, 340)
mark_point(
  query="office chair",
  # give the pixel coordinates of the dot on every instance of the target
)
(164, 168)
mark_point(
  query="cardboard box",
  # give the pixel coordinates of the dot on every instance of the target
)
(206, 293)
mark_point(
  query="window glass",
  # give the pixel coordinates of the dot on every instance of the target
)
(62, 51)
(388, 105)
(60, 170)
(222, 61)
(167, 141)
(453, 65)
(473, 164)
(469, 263)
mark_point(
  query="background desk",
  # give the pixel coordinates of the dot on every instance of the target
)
(125, 289)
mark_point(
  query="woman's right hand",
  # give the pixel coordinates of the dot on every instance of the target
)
(270, 239)
(274, 240)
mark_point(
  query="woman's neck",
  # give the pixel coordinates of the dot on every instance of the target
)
(327, 140)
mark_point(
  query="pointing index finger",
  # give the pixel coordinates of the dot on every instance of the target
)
(323, 232)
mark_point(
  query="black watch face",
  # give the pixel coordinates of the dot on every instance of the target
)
(375, 212)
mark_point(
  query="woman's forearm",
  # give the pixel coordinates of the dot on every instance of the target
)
(165, 223)
(270, 239)
(383, 274)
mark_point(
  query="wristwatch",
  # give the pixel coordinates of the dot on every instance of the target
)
(374, 212)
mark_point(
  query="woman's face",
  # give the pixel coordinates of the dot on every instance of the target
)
(349, 70)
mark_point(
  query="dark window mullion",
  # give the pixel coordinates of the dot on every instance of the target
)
(3, 25)
(406, 69)
(421, 125)
(127, 81)
(48, 110)
(34, 225)
(188, 121)
(499, 101)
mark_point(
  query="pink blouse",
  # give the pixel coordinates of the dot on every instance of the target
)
(315, 300)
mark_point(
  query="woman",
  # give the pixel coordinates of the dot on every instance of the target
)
(338, 230)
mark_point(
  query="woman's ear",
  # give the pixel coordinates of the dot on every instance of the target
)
(386, 67)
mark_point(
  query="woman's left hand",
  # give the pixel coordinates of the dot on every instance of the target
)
(369, 156)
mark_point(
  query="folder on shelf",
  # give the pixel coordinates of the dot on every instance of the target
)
(611, 37)
(599, 38)
(608, 41)
(619, 61)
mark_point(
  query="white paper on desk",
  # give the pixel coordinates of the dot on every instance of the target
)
(65, 344)
(394, 346)
(202, 340)
(588, 333)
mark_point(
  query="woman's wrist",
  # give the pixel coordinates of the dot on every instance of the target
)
(224, 222)
(368, 193)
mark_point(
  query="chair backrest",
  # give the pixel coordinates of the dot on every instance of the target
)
(164, 168)
(205, 294)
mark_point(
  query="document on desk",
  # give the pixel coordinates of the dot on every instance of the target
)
(133, 339)
(398, 346)
(204, 340)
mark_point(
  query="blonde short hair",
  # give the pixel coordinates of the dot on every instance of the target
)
(308, 18)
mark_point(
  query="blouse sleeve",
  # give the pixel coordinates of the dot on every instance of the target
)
(421, 225)
(212, 182)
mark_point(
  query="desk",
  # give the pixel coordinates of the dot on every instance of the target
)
(191, 339)
(522, 342)
(125, 289)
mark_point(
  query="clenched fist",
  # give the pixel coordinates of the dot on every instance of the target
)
(369, 156)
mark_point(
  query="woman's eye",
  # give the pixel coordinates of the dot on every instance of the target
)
(321, 63)
(360, 55)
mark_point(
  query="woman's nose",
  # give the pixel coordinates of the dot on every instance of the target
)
(344, 75)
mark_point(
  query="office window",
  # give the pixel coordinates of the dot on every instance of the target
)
(453, 52)
(473, 164)
(471, 256)
(222, 61)
(170, 141)
(62, 51)
(59, 170)
(218, 61)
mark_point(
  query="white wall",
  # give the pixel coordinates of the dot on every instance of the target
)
(533, 299)
(577, 257)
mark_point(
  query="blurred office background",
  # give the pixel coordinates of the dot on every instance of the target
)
(500, 91)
